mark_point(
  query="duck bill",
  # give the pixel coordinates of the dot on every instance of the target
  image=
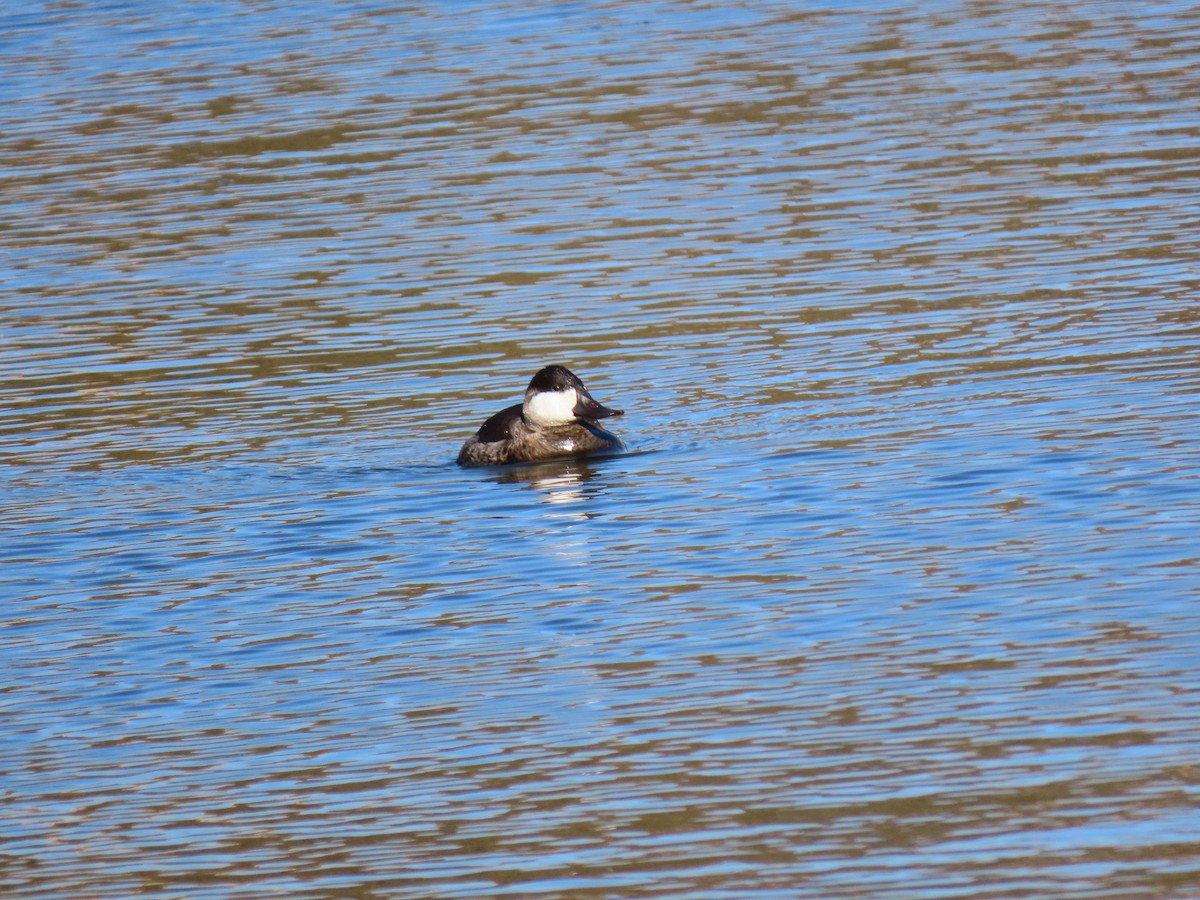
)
(588, 408)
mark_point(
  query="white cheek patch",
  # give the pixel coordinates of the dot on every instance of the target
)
(551, 408)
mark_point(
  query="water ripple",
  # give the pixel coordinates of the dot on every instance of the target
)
(895, 587)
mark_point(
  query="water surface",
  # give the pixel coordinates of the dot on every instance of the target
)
(893, 596)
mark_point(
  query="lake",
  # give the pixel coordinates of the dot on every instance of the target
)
(893, 595)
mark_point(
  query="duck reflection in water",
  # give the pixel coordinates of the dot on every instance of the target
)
(557, 419)
(562, 483)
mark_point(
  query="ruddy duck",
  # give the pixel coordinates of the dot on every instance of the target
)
(558, 418)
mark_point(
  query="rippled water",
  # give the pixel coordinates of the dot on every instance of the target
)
(895, 594)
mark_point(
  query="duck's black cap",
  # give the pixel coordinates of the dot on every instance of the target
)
(555, 378)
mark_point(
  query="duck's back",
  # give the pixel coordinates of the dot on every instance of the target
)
(491, 444)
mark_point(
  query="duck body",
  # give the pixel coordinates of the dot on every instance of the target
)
(556, 419)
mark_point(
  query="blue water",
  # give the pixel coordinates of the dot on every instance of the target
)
(894, 594)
